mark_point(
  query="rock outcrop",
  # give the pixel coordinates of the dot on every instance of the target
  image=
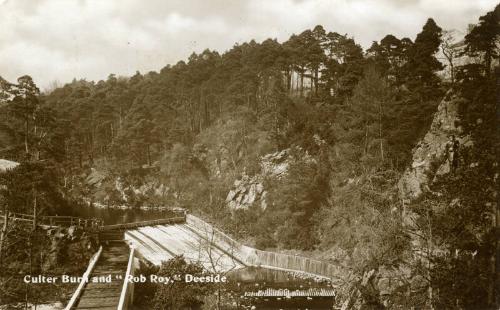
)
(95, 178)
(275, 164)
(7, 165)
(247, 191)
(120, 192)
(429, 156)
(430, 159)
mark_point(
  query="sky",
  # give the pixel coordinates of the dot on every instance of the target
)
(58, 40)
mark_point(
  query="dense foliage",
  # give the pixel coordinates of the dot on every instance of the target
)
(349, 119)
(175, 293)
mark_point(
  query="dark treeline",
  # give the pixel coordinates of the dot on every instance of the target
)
(356, 114)
(135, 120)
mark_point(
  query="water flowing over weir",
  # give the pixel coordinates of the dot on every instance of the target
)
(201, 242)
(266, 279)
(260, 273)
(162, 242)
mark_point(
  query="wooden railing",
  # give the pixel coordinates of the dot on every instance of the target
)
(85, 277)
(91, 223)
(55, 220)
(127, 294)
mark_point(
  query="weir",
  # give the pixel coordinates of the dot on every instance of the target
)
(273, 260)
(201, 242)
(161, 242)
(197, 241)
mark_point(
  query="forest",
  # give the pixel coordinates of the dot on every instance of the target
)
(349, 121)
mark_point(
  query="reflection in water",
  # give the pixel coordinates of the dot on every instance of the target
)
(298, 303)
(275, 277)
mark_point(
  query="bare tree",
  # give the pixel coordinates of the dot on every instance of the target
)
(451, 51)
(208, 247)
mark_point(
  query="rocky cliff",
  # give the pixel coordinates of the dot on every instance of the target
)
(429, 160)
(430, 155)
(249, 190)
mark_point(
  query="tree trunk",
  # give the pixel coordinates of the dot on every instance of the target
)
(37, 152)
(26, 132)
(34, 208)
(3, 233)
(316, 79)
(297, 82)
(452, 73)
(493, 290)
(149, 155)
(366, 139)
(288, 81)
(91, 136)
(448, 53)
(301, 82)
(380, 132)
(487, 57)
(80, 156)
(121, 118)
(430, 252)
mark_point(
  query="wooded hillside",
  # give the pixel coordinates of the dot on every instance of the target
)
(348, 119)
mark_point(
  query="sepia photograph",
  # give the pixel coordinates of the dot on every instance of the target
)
(249, 154)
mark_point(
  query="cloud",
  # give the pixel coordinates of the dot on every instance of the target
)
(63, 39)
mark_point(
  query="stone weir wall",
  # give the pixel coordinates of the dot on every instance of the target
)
(273, 260)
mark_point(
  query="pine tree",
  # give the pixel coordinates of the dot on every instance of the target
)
(343, 66)
(24, 106)
(484, 38)
(422, 63)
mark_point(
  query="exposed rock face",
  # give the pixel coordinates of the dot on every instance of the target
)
(95, 178)
(7, 165)
(429, 156)
(249, 190)
(275, 164)
(246, 192)
(119, 192)
(430, 159)
(149, 188)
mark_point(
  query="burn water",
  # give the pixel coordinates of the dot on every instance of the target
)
(243, 281)
(247, 281)
(118, 216)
